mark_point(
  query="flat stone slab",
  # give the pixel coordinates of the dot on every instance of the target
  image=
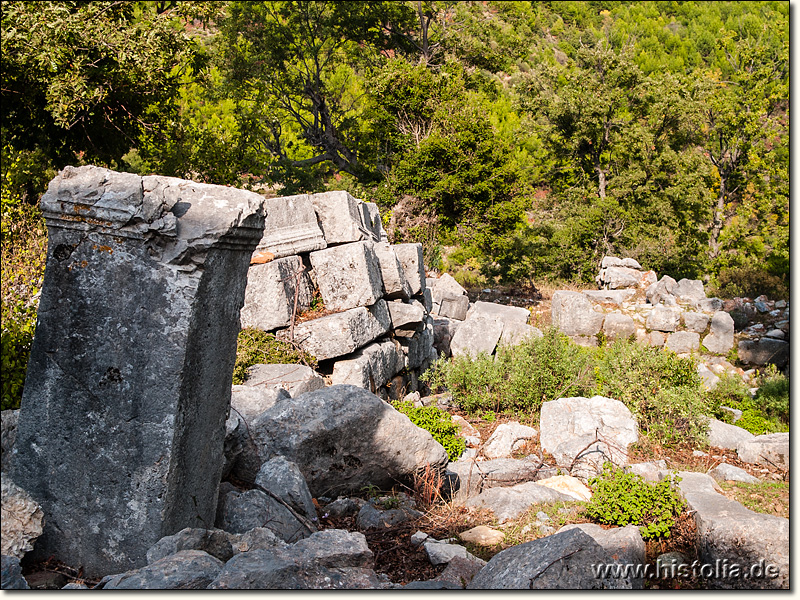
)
(342, 333)
(500, 312)
(725, 435)
(411, 259)
(348, 276)
(454, 307)
(574, 315)
(476, 335)
(616, 297)
(471, 477)
(508, 503)
(341, 218)
(290, 227)
(771, 449)
(295, 379)
(406, 315)
(371, 367)
(270, 293)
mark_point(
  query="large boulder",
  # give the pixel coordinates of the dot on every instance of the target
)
(249, 401)
(661, 292)
(689, 291)
(476, 335)
(730, 533)
(720, 338)
(340, 217)
(619, 327)
(500, 312)
(771, 449)
(725, 435)
(509, 503)
(343, 437)
(764, 351)
(22, 519)
(468, 477)
(395, 284)
(446, 287)
(683, 342)
(663, 318)
(568, 559)
(295, 379)
(240, 512)
(574, 314)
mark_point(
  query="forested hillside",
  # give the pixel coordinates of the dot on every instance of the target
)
(528, 139)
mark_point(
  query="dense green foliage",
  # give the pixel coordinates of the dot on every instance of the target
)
(623, 498)
(660, 388)
(438, 423)
(766, 412)
(256, 347)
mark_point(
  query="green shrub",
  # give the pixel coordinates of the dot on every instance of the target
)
(620, 498)
(750, 282)
(773, 394)
(256, 347)
(438, 423)
(520, 378)
(767, 412)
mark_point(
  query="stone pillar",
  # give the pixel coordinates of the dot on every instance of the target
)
(122, 420)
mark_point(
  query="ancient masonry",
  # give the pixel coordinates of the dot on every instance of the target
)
(122, 422)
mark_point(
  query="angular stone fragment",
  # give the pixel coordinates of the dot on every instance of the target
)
(764, 351)
(410, 257)
(371, 367)
(248, 402)
(343, 437)
(614, 278)
(22, 520)
(440, 553)
(506, 438)
(295, 379)
(371, 218)
(418, 349)
(689, 291)
(726, 472)
(720, 339)
(618, 327)
(186, 570)
(683, 342)
(649, 471)
(445, 287)
(341, 218)
(695, 321)
(240, 512)
(508, 503)
(283, 478)
(215, 542)
(270, 294)
(661, 292)
(514, 333)
(406, 316)
(725, 435)
(574, 314)
(443, 331)
(709, 305)
(130, 369)
(613, 261)
(290, 227)
(770, 449)
(663, 318)
(348, 276)
(565, 560)
(476, 335)
(500, 312)
(342, 333)
(395, 284)
(454, 307)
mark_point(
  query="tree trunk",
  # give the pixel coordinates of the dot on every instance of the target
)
(718, 219)
(601, 179)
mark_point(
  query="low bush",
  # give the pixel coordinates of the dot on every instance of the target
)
(749, 282)
(438, 423)
(767, 412)
(256, 347)
(622, 498)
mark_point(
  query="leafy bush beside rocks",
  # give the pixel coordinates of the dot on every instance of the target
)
(438, 423)
(256, 347)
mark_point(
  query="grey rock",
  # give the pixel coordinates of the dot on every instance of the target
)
(410, 257)
(585, 457)
(243, 511)
(613, 297)
(663, 318)
(764, 351)
(726, 472)
(215, 542)
(340, 217)
(761, 307)
(776, 333)
(614, 278)
(342, 333)
(371, 367)
(500, 312)
(348, 276)
(130, 369)
(613, 261)
(75, 586)
(725, 435)
(343, 507)
(728, 531)
(372, 517)
(270, 294)
(469, 478)
(371, 218)
(404, 314)
(290, 227)
(657, 339)
(695, 321)
(618, 327)
(683, 342)
(12, 578)
(249, 401)
(186, 570)
(330, 559)
(441, 553)
(564, 560)
(735, 412)
(506, 438)
(710, 379)
(649, 471)
(709, 305)
(418, 349)
(475, 335)
(574, 314)
(445, 287)
(514, 334)
(443, 331)
(22, 520)
(661, 292)
(769, 449)
(454, 307)
(343, 437)
(568, 419)
(508, 503)
(284, 479)
(432, 584)
(258, 538)
(295, 379)
(720, 339)
(689, 291)
(8, 434)
(459, 572)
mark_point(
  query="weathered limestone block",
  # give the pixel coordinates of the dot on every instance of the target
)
(500, 312)
(395, 284)
(725, 435)
(410, 257)
(764, 351)
(661, 292)
(419, 348)
(371, 217)
(768, 449)
(342, 333)
(249, 401)
(290, 227)
(507, 438)
(614, 278)
(444, 287)
(663, 318)
(348, 275)
(295, 379)
(720, 339)
(574, 314)
(613, 261)
(21, 519)
(122, 422)
(695, 321)
(476, 335)
(454, 307)
(270, 293)
(683, 342)
(443, 331)
(689, 291)
(371, 367)
(514, 333)
(618, 327)
(341, 218)
(616, 297)
(406, 315)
